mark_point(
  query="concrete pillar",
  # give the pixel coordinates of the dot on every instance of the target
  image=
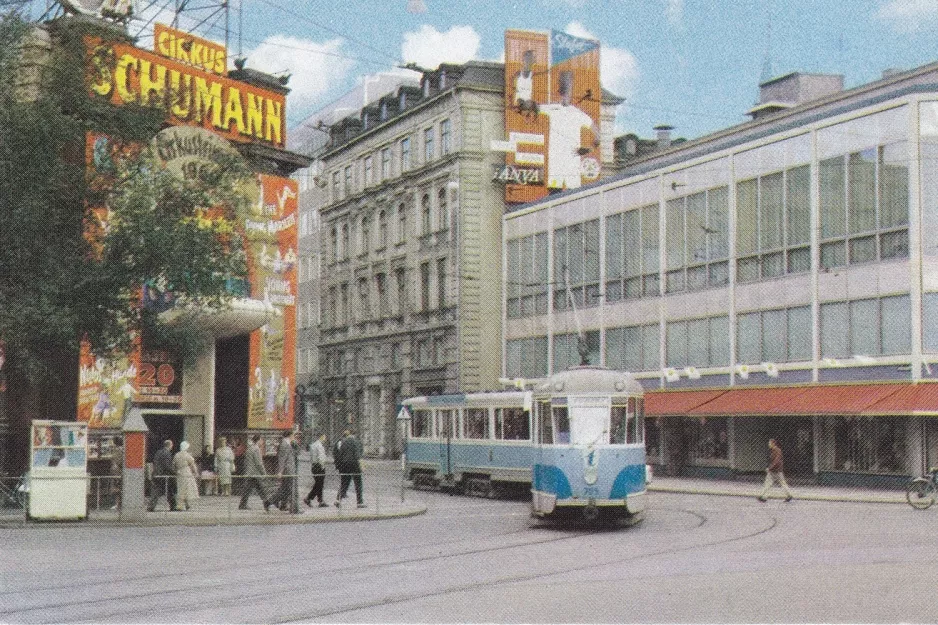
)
(133, 501)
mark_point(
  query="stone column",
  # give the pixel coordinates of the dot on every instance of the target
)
(133, 500)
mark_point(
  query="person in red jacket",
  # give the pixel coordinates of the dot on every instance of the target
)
(775, 472)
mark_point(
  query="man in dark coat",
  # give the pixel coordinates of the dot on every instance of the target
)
(253, 472)
(775, 472)
(164, 477)
(286, 471)
(347, 455)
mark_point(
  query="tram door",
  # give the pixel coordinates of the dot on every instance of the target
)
(444, 433)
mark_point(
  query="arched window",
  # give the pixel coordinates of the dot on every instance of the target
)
(345, 242)
(425, 213)
(442, 208)
(365, 238)
(401, 223)
(382, 229)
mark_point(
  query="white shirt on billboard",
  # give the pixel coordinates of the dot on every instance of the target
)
(563, 142)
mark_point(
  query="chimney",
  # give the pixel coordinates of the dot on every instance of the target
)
(892, 72)
(664, 135)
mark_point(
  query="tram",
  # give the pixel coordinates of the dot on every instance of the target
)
(574, 439)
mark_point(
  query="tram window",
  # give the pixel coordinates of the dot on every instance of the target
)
(589, 425)
(620, 426)
(476, 423)
(420, 424)
(637, 409)
(444, 423)
(512, 424)
(562, 425)
(546, 429)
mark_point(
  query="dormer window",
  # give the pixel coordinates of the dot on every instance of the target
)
(365, 120)
(442, 79)
(403, 103)
(384, 111)
(426, 87)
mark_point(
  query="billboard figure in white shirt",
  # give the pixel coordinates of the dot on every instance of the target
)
(524, 83)
(564, 149)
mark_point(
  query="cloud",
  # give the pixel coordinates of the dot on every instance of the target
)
(907, 16)
(674, 11)
(315, 67)
(429, 47)
(618, 68)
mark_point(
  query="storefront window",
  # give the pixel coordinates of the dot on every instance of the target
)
(708, 439)
(868, 444)
(653, 440)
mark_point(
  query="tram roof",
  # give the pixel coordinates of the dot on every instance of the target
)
(591, 379)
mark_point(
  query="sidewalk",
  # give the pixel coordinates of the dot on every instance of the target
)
(727, 488)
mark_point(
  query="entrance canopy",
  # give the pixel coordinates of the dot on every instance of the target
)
(821, 399)
(241, 316)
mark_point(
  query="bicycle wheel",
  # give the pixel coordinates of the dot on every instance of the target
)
(921, 493)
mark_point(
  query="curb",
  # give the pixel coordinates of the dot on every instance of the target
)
(286, 519)
(797, 496)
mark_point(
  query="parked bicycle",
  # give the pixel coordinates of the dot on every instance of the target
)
(922, 492)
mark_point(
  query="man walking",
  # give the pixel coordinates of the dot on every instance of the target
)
(317, 461)
(775, 472)
(253, 472)
(347, 455)
(164, 480)
(286, 471)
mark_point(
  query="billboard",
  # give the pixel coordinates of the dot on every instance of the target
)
(271, 235)
(552, 114)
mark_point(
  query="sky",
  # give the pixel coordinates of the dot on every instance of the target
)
(692, 64)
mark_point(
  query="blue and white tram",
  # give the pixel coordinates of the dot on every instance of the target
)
(576, 441)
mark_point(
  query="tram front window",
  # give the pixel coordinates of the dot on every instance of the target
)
(589, 425)
(561, 426)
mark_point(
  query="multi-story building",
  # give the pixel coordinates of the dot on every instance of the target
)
(774, 279)
(411, 232)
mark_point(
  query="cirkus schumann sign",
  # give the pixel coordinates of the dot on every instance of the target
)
(124, 74)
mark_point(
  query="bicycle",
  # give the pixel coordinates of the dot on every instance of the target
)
(922, 492)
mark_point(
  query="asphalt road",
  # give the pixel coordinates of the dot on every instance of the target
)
(694, 559)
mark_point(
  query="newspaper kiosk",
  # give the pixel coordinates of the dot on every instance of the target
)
(58, 470)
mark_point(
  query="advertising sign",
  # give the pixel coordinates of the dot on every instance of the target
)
(272, 258)
(186, 48)
(123, 74)
(552, 114)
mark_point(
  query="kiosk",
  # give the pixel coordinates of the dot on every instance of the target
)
(58, 470)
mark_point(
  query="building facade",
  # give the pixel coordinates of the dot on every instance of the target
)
(775, 279)
(411, 231)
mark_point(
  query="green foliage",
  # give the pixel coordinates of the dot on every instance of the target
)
(56, 286)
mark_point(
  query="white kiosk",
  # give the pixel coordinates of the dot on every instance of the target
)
(58, 478)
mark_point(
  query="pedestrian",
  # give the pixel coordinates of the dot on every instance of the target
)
(347, 455)
(187, 476)
(775, 472)
(164, 481)
(317, 461)
(116, 472)
(208, 480)
(253, 473)
(224, 466)
(286, 471)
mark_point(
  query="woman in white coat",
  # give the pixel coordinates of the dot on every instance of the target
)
(187, 485)
(224, 466)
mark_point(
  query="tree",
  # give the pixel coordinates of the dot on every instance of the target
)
(57, 284)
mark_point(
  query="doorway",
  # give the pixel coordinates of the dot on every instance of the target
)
(795, 435)
(163, 426)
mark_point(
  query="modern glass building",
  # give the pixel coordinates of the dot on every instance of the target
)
(777, 279)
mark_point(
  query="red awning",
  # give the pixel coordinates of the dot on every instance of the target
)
(748, 401)
(837, 399)
(909, 399)
(676, 403)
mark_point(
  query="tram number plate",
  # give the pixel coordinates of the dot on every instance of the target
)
(591, 491)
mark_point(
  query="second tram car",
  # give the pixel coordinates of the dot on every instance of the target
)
(576, 441)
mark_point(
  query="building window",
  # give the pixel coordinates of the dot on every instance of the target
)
(864, 206)
(697, 241)
(333, 305)
(401, 223)
(526, 286)
(425, 213)
(401, 278)
(345, 242)
(442, 83)
(364, 240)
(385, 163)
(384, 110)
(526, 358)
(773, 231)
(867, 327)
(632, 254)
(382, 291)
(707, 439)
(347, 189)
(441, 283)
(369, 170)
(405, 154)
(442, 210)
(576, 266)
(567, 350)
(382, 229)
(334, 243)
(428, 148)
(633, 348)
(698, 342)
(336, 186)
(364, 303)
(866, 444)
(782, 335)
(445, 137)
(425, 286)
(345, 303)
